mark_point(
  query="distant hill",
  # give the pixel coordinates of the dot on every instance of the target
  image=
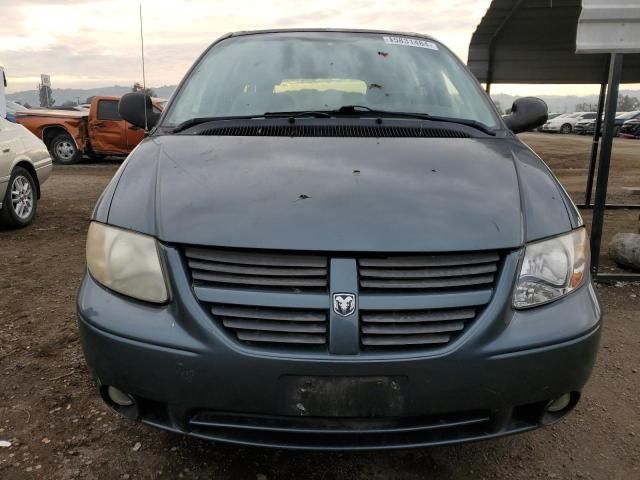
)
(61, 95)
(560, 103)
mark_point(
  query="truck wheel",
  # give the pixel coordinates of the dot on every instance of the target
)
(566, 128)
(20, 200)
(64, 150)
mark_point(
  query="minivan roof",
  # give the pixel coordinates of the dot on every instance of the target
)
(331, 30)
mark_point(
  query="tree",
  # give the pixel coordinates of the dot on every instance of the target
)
(628, 104)
(27, 105)
(498, 106)
(89, 99)
(69, 103)
(137, 87)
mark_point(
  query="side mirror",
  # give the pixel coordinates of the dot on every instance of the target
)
(527, 113)
(132, 108)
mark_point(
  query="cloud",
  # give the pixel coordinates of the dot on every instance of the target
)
(83, 43)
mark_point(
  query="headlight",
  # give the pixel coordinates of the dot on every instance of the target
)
(552, 268)
(126, 262)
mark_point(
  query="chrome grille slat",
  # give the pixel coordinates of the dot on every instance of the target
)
(253, 270)
(253, 258)
(297, 338)
(428, 273)
(428, 283)
(258, 280)
(413, 317)
(268, 314)
(412, 328)
(397, 341)
(429, 260)
(270, 326)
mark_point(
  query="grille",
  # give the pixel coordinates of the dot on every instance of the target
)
(267, 299)
(413, 328)
(257, 270)
(419, 272)
(273, 325)
(333, 131)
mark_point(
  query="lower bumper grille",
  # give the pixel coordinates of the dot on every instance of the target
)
(340, 433)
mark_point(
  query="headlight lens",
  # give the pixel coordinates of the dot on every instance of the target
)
(552, 268)
(126, 262)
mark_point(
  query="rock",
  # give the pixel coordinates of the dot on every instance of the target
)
(624, 249)
(4, 444)
(137, 446)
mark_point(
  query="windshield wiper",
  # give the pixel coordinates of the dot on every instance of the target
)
(308, 113)
(346, 110)
(192, 122)
(356, 109)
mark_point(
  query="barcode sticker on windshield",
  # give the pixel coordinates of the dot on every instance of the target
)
(410, 42)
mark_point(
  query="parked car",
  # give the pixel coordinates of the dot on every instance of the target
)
(622, 118)
(630, 128)
(336, 242)
(25, 165)
(588, 127)
(551, 117)
(70, 134)
(585, 126)
(566, 123)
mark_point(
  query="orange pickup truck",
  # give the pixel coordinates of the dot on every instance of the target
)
(98, 132)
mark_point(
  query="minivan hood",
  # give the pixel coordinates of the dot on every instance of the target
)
(335, 194)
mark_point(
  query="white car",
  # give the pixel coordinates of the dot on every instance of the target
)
(25, 164)
(567, 122)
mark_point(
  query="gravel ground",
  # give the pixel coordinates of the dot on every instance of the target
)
(59, 428)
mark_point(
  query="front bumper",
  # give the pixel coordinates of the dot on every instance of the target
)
(188, 377)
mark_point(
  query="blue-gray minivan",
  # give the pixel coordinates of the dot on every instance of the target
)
(330, 239)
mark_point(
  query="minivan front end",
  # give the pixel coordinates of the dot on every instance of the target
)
(343, 277)
(285, 367)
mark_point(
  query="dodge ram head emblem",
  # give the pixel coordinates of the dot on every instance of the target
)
(344, 304)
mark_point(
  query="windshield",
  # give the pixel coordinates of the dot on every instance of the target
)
(295, 71)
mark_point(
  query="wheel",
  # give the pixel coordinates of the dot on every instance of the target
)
(566, 128)
(616, 131)
(20, 200)
(64, 150)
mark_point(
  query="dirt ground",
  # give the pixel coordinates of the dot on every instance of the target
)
(58, 427)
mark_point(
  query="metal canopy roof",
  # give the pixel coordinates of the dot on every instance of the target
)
(608, 27)
(534, 41)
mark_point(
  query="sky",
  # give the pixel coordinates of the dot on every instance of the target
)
(95, 43)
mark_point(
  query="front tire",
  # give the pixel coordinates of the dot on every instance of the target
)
(566, 129)
(64, 150)
(20, 200)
